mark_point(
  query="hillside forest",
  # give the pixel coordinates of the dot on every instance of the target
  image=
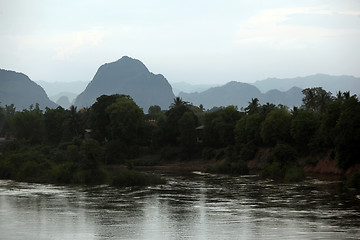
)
(80, 146)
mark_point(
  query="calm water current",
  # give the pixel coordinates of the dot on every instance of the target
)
(191, 206)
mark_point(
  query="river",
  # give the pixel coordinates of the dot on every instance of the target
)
(190, 206)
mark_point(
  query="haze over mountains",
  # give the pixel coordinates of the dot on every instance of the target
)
(131, 77)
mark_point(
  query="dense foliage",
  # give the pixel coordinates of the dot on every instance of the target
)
(74, 146)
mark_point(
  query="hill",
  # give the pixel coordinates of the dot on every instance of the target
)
(240, 94)
(17, 88)
(131, 77)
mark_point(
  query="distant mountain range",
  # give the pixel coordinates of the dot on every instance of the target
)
(131, 77)
(189, 88)
(17, 88)
(329, 83)
(240, 94)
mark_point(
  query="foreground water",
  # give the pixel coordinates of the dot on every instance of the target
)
(191, 206)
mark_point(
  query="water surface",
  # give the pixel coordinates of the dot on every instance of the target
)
(190, 206)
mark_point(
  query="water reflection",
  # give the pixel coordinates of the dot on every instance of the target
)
(192, 206)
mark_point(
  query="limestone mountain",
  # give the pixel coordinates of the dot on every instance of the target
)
(131, 77)
(17, 88)
(240, 94)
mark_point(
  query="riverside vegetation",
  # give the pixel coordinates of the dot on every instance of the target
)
(78, 146)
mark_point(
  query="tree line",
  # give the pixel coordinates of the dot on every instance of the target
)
(115, 130)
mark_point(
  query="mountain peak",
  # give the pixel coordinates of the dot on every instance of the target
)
(131, 77)
(125, 66)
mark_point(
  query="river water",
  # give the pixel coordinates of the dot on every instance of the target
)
(190, 206)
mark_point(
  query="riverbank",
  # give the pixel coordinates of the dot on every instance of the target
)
(175, 165)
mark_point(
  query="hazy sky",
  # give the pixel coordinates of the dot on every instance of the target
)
(185, 40)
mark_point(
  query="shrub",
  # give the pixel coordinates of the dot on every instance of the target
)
(354, 180)
(126, 178)
(248, 151)
(294, 174)
(273, 170)
(283, 153)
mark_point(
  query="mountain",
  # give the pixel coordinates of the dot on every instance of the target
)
(64, 102)
(17, 88)
(69, 95)
(240, 94)
(131, 77)
(56, 88)
(189, 88)
(290, 98)
(329, 83)
(232, 93)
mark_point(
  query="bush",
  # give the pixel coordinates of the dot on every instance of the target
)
(354, 180)
(294, 174)
(248, 151)
(126, 178)
(63, 173)
(33, 171)
(283, 153)
(233, 166)
(273, 170)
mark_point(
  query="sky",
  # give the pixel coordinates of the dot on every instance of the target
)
(195, 41)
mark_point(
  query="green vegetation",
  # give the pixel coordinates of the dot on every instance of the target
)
(127, 177)
(75, 146)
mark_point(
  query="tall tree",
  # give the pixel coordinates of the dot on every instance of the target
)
(316, 99)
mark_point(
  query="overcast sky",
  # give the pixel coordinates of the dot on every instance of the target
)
(194, 41)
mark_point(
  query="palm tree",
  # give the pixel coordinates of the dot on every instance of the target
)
(253, 106)
(178, 102)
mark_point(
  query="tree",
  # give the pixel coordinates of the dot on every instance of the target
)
(154, 112)
(248, 129)
(54, 124)
(126, 119)
(170, 128)
(187, 139)
(99, 118)
(29, 125)
(347, 139)
(276, 127)
(316, 99)
(303, 128)
(178, 102)
(253, 106)
(219, 126)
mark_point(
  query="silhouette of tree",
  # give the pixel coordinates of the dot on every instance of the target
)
(253, 106)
